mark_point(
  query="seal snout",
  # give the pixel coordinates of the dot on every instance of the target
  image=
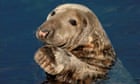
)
(43, 34)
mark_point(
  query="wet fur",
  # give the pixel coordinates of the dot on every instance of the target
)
(87, 58)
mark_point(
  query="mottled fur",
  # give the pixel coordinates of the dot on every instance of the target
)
(75, 54)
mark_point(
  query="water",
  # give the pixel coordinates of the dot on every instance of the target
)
(19, 20)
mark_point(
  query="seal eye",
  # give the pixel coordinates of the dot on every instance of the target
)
(53, 13)
(73, 22)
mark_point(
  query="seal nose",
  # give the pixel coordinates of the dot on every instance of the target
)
(43, 33)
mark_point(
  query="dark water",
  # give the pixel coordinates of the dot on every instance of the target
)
(20, 18)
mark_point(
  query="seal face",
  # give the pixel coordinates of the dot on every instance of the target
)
(63, 28)
(76, 48)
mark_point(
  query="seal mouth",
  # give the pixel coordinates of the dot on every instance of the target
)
(50, 44)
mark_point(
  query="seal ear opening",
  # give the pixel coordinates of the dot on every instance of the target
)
(89, 21)
(85, 22)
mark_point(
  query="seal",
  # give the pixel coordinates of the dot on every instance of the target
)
(77, 50)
